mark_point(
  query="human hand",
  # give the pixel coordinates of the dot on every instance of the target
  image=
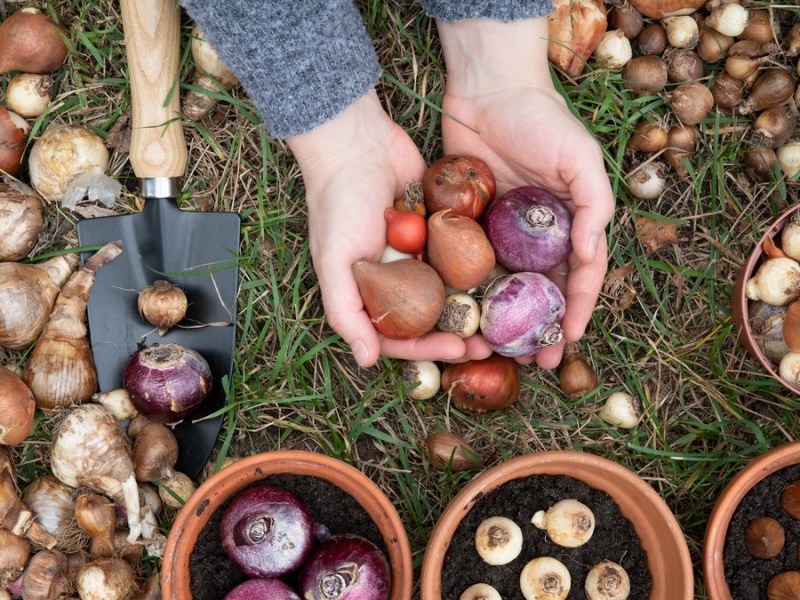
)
(354, 166)
(500, 105)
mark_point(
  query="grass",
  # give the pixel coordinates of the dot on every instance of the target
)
(708, 407)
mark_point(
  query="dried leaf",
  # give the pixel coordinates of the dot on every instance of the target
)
(615, 286)
(654, 234)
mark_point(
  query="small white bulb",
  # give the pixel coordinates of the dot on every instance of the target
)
(498, 540)
(619, 410)
(545, 578)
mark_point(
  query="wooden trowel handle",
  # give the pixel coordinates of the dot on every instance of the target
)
(152, 45)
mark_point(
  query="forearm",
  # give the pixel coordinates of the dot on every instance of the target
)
(301, 63)
(485, 56)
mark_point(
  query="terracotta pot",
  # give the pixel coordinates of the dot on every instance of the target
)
(216, 490)
(659, 533)
(740, 302)
(717, 528)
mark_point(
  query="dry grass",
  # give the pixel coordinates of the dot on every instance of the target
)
(707, 406)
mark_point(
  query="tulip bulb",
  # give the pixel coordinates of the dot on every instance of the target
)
(619, 410)
(449, 452)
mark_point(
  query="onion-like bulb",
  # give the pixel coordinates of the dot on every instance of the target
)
(28, 94)
(60, 370)
(17, 408)
(14, 514)
(31, 42)
(772, 88)
(574, 29)
(162, 304)
(545, 578)
(14, 554)
(27, 295)
(14, 132)
(47, 576)
(106, 579)
(607, 581)
(91, 449)
(21, 220)
(212, 74)
(789, 158)
(155, 452)
(53, 502)
(776, 282)
(568, 523)
(97, 517)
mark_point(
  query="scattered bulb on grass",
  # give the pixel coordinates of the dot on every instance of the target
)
(614, 50)
(545, 578)
(729, 19)
(620, 410)
(425, 375)
(607, 581)
(789, 158)
(449, 452)
(648, 181)
(576, 376)
(498, 540)
(776, 282)
(480, 591)
(28, 94)
(568, 522)
(682, 31)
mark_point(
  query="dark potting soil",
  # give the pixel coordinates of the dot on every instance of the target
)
(746, 575)
(614, 539)
(213, 574)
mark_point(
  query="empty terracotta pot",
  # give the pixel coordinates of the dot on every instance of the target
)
(217, 489)
(660, 535)
(717, 529)
(740, 302)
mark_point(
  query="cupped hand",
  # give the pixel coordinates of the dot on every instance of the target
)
(353, 167)
(527, 136)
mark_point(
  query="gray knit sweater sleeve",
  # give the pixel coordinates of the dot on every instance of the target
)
(501, 10)
(301, 62)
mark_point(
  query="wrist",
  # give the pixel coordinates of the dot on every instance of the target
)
(484, 55)
(343, 137)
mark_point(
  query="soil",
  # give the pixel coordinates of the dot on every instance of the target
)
(614, 539)
(213, 574)
(746, 575)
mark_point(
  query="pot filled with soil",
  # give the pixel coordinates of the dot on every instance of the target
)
(578, 522)
(765, 305)
(753, 535)
(300, 518)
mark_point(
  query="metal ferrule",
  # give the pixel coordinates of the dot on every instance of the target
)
(159, 187)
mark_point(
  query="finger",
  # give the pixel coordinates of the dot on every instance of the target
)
(583, 288)
(432, 346)
(550, 357)
(590, 191)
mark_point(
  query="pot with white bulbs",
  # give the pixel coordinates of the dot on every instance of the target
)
(504, 541)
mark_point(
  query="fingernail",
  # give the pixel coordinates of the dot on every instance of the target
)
(360, 352)
(594, 241)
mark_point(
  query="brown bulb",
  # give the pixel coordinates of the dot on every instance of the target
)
(576, 375)
(685, 65)
(764, 537)
(774, 87)
(162, 304)
(645, 75)
(647, 137)
(791, 40)
(682, 141)
(790, 498)
(759, 27)
(449, 452)
(774, 126)
(626, 18)
(652, 41)
(784, 586)
(713, 46)
(760, 162)
(691, 102)
(727, 91)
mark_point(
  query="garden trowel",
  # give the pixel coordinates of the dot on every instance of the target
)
(195, 250)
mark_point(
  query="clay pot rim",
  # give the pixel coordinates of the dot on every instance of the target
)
(600, 473)
(215, 490)
(740, 302)
(768, 463)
